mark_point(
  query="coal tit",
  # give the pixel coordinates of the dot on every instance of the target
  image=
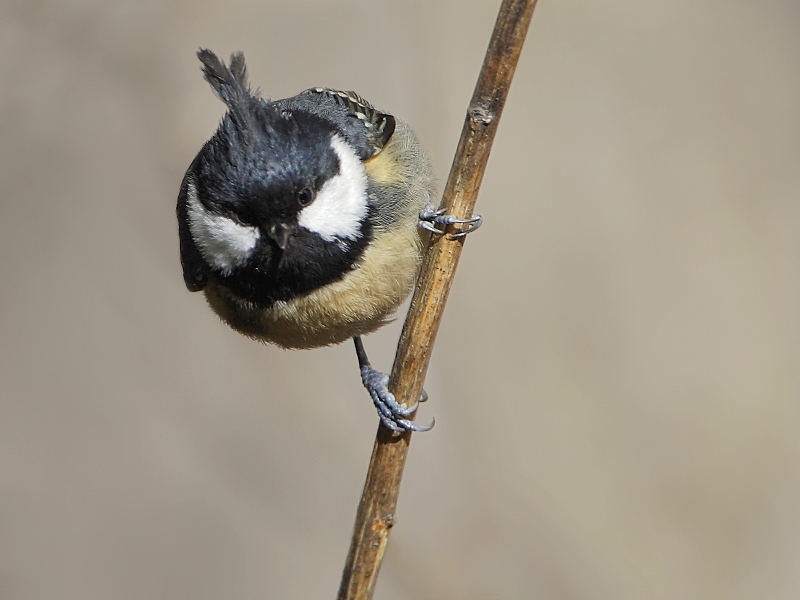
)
(300, 219)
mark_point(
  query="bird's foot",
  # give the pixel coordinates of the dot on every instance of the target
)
(393, 414)
(429, 219)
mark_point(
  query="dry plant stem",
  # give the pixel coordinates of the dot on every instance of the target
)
(375, 515)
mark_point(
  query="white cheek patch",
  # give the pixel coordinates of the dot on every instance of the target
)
(223, 242)
(341, 204)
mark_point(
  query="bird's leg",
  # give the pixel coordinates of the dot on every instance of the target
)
(393, 415)
(429, 218)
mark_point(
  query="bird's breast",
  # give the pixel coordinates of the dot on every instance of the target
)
(358, 303)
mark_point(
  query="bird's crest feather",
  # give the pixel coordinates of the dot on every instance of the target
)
(230, 84)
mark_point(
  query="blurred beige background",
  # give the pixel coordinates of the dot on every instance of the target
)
(616, 380)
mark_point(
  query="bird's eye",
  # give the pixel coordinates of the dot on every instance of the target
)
(305, 196)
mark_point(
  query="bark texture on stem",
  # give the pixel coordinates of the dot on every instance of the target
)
(375, 516)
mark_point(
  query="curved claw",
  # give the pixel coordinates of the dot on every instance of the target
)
(402, 425)
(474, 222)
(428, 219)
(427, 226)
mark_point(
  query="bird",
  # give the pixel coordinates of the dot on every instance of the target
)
(303, 220)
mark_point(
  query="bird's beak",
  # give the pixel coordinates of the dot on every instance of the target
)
(280, 232)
